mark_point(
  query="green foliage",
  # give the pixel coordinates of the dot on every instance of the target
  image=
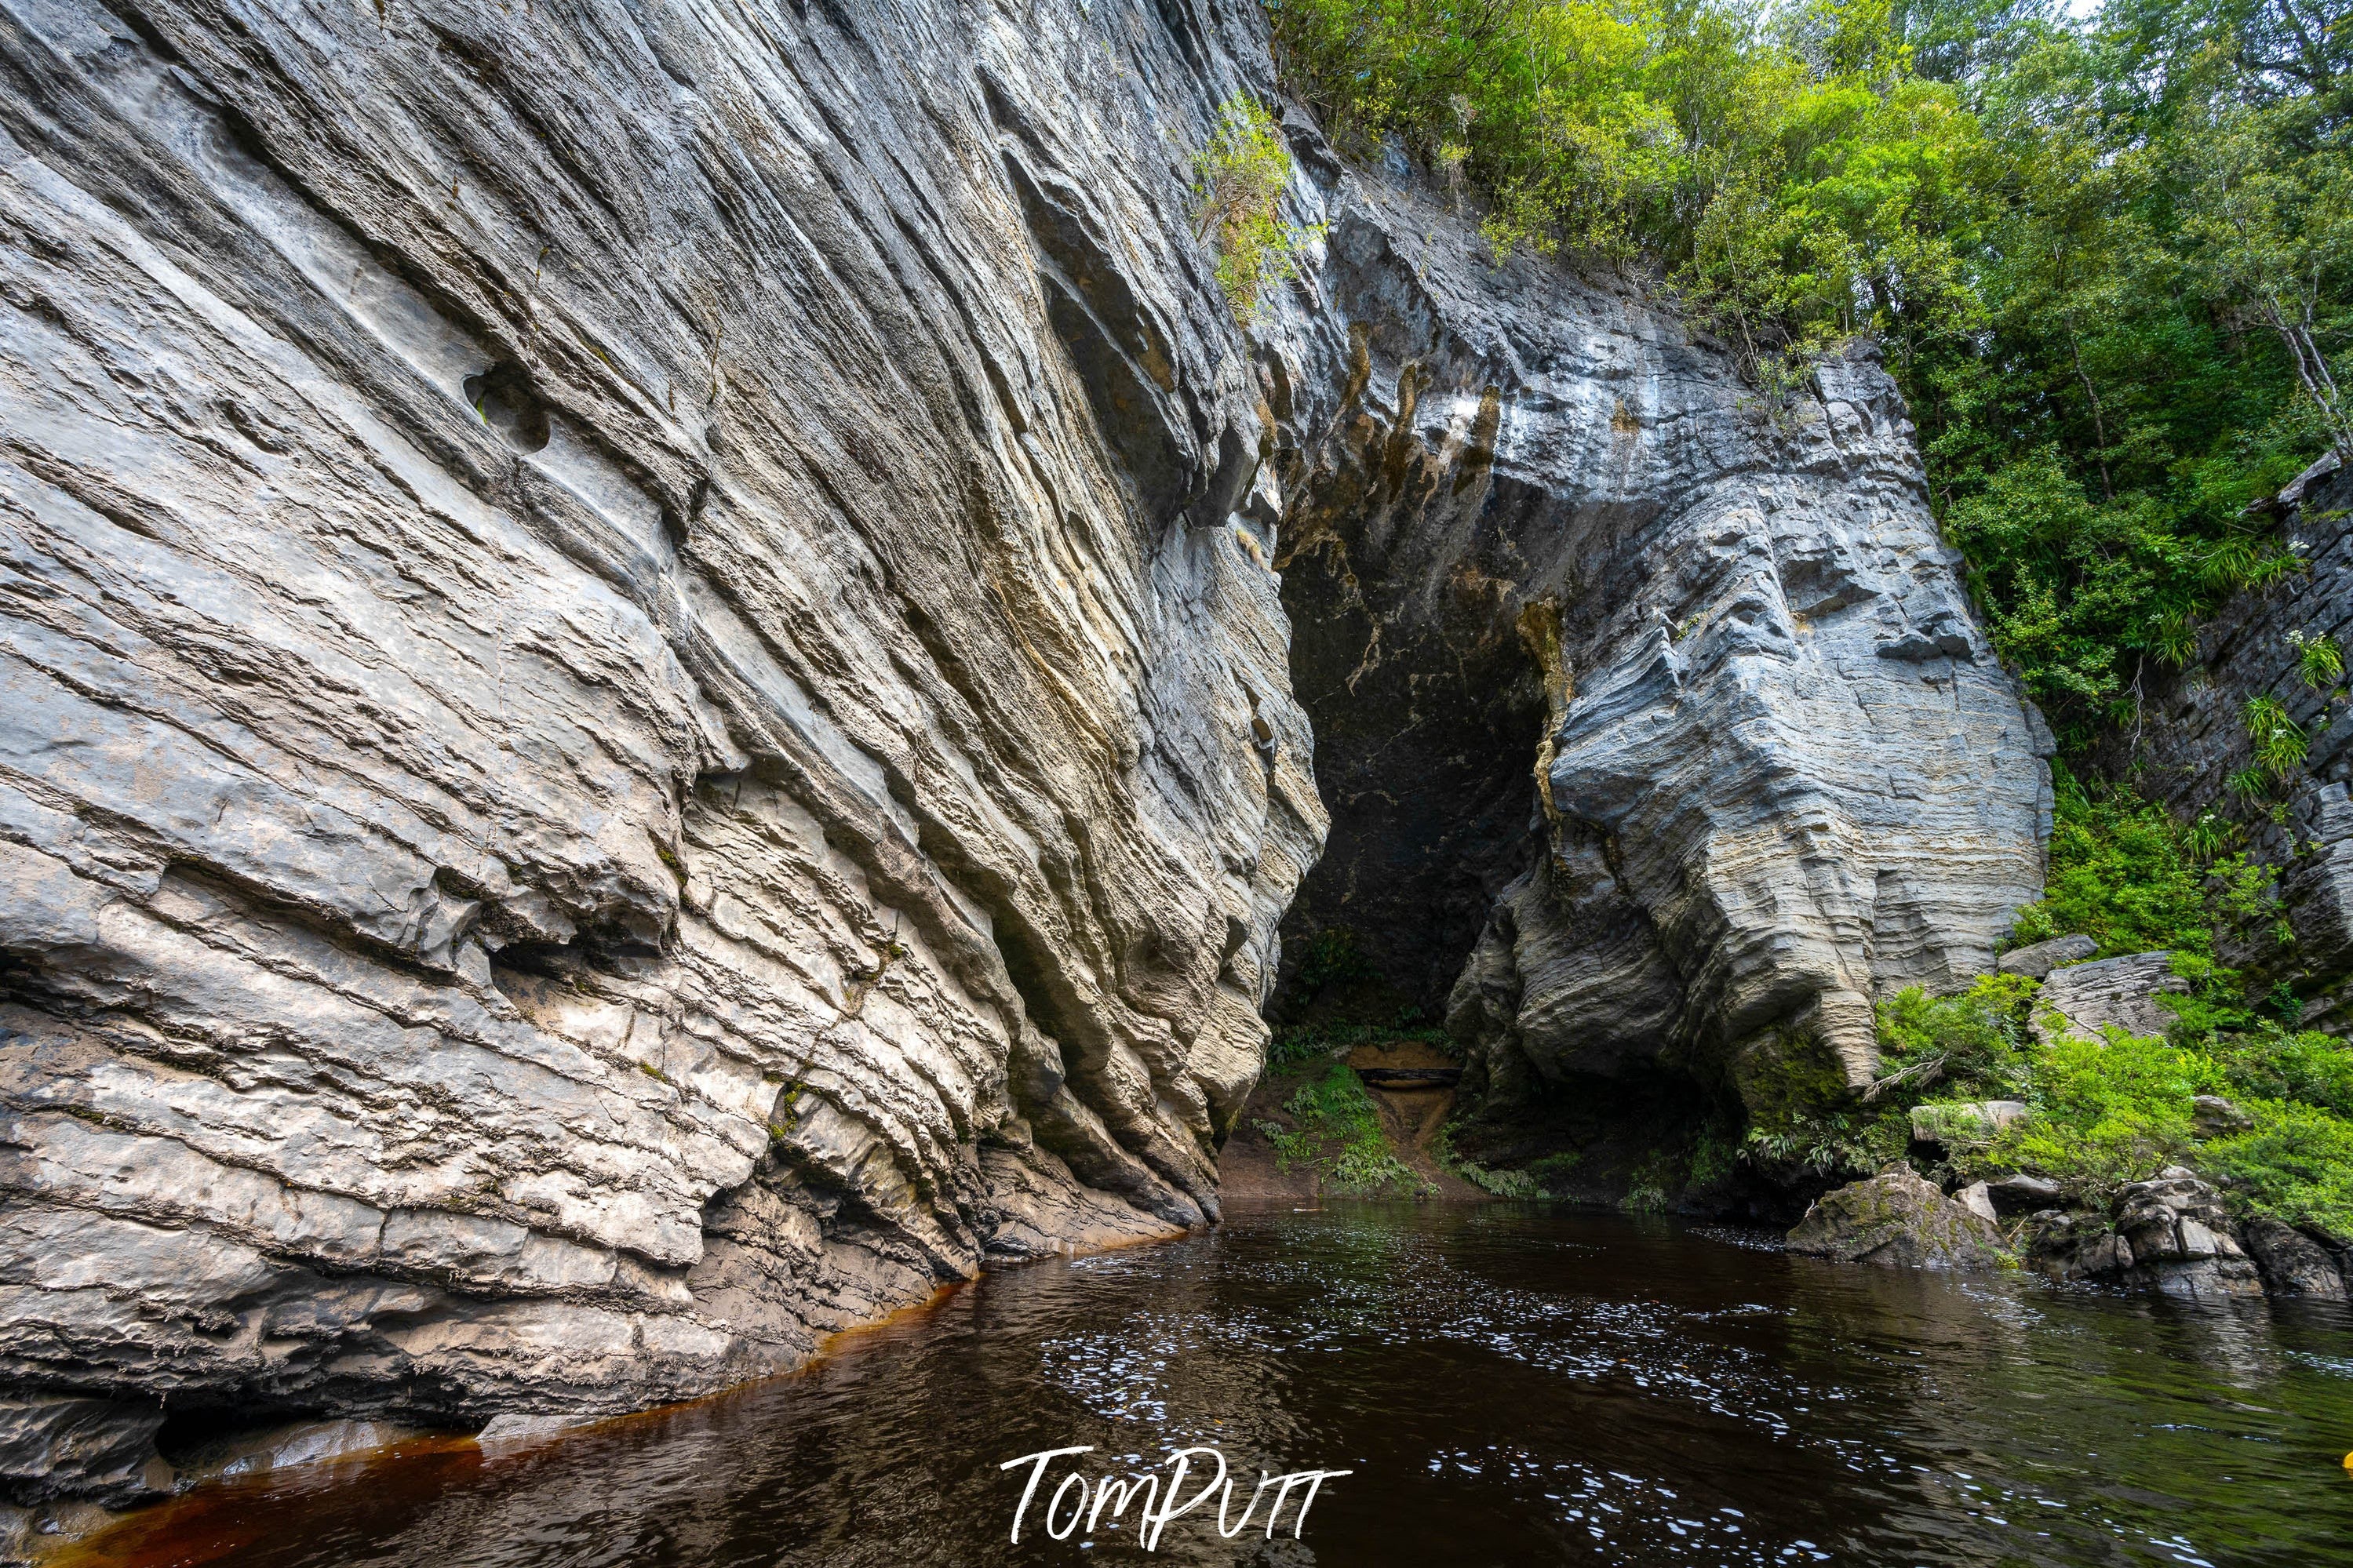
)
(1804, 1120)
(1790, 174)
(2125, 873)
(1331, 957)
(2314, 1069)
(2318, 660)
(2279, 743)
(1499, 1184)
(1978, 1036)
(2108, 1110)
(2111, 256)
(1336, 1132)
(1294, 1044)
(2161, 298)
(1714, 1159)
(2294, 1164)
(1553, 1169)
(1656, 1180)
(1238, 180)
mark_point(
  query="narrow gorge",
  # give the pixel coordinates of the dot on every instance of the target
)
(673, 675)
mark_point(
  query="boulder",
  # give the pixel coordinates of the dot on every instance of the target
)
(1897, 1220)
(1977, 1200)
(2121, 991)
(2215, 1116)
(2180, 1237)
(2022, 1193)
(2040, 959)
(1965, 1121)
(2293, 1263)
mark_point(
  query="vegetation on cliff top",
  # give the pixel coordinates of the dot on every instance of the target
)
(2111, 258)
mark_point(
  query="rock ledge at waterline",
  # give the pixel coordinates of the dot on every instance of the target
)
(644, 710)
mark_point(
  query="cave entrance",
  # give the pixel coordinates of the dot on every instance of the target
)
(1427, 720)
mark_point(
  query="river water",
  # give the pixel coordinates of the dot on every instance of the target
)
(1508, 1384)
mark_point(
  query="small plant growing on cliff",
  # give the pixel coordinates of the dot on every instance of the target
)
(1237, 182)
(2318, 660)
(1335, 1132)
(2279, 742)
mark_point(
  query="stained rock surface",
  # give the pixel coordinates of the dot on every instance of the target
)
(1654, 723)
(631, 728)
(646, 709)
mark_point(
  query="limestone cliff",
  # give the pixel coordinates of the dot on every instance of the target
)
(1689, 684)
(646, 707)
(629, 728)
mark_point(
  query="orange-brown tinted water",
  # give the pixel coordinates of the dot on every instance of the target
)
(1510, 1385)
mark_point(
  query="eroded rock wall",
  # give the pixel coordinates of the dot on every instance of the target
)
(1765, 767)
(2189, 741)
(630, 727)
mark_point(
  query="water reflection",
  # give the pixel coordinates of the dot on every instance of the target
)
(1509, 1384)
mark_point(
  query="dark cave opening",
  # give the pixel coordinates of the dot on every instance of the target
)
(1426, 736)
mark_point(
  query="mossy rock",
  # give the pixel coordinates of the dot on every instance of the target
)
(1897, 1220)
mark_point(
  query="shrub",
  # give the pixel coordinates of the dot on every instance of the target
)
(1501, 1183)
(1238, 180)
(2313, 1067)
(2126, 874)
(2107, 1110)
(1976, 1036)
(2280, 743)
(2294, 1164)
(1336, 1132)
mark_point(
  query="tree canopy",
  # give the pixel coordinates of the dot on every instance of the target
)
(2110, 258)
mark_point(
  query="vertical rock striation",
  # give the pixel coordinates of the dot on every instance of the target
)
(629, 728)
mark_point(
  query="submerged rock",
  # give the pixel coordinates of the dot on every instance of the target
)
(1899, 1219)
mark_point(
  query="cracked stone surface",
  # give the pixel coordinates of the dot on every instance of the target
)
(631, 729)
(646, 707)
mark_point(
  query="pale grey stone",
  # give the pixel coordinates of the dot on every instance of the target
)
(584, 720)
(618, 752)
(1897, 1219)
(1966, 1120)
(2115, 993)
(2039, 960)
(2022, 1193)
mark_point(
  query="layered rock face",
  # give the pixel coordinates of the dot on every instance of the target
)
(2191, 739)
(647, 705)
(1694, 682)
(631, 725)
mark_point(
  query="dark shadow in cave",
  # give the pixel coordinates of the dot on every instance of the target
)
(1427, 723)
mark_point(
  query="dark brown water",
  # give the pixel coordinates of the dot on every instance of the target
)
(1509, 1384)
